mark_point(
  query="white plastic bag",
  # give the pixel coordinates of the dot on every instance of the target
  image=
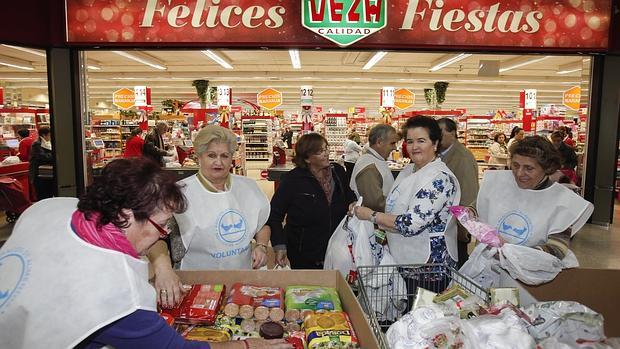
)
(425, 327)
(386, 289)
(482, 267)
(529, 265)
(366, 250)
(338, 255)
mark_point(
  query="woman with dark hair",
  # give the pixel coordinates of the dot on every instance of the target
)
(41, 154)
(540, 213)
(498, 151)
(135, 144)
(516, 134)
(86, 260)
(314, 198)
(419, 225)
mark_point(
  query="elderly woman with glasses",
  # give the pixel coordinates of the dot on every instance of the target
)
(225, 213)
(72, 274)
(314, 198)
(528, 208)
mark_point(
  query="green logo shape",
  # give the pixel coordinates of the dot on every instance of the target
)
(344, 22)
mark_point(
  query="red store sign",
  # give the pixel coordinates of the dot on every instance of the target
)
(566, 25)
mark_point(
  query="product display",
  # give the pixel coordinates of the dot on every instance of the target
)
(258, 134)
(312, 298)
(330, 330)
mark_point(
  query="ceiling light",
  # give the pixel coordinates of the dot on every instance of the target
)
(568, 71)
(15, 63)
(23, 49)
(295, 61)
(376, 58)
(447, 62)
(219, 60)
(142, 58)
(521, 64)
(93, 65)
(570, 67)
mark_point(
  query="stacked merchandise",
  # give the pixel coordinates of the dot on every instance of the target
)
(336, 134)
(479, 131)
(307, 316)
(258, 137)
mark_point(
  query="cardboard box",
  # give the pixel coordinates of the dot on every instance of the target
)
(284, 278)
(598, 289)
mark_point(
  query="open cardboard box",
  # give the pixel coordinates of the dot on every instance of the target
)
(284, 278)
(598, 289)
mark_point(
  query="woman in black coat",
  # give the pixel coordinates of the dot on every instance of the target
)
(41, 154)
(314, 197)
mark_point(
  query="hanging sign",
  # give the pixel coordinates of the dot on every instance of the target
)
(403, 98)
(530, 99)
(140, 99)
(387, 97)
(124, 98)
(572, 98)
(269, 98)
(224, 96)
(306, 95)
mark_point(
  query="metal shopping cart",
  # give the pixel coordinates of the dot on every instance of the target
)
(385, 298)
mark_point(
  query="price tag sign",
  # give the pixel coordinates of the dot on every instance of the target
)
(387, 97)
(223, 96)
(140, 92)
(306, 94)
(530, 99)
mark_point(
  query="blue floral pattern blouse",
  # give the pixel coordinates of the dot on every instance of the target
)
(429, 213)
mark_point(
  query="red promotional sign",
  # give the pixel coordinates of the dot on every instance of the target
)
(1, 95)
(502, 24)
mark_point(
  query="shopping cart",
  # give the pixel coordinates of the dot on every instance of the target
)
(399, 296)
(12, 198)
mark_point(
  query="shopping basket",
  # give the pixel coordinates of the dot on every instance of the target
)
(401, 295)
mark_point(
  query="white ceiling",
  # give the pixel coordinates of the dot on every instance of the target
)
(337, 77)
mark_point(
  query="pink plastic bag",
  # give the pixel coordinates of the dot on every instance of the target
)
(481, 231)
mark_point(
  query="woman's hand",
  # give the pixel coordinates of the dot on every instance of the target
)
(169, 288)
(282, 258)
(363, 213)
(259, 256)
(351, 211)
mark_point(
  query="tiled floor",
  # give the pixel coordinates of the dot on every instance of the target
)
(594, 246)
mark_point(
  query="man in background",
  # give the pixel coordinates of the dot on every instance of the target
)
(371, 177)
(463, 164)
(287, 137)
(154, 147)
(25, 143)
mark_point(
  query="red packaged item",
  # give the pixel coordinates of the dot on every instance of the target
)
(168, 318)
(256, 296)
(297, 339)
(200, 305)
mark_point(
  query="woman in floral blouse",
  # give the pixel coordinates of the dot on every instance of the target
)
(421, 229)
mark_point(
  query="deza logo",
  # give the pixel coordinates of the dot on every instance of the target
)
(344, 21)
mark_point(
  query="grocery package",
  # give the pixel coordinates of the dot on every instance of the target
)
(201, 304)
(529, 265)
(260, 303)
(208, 334)
(312, 298)
(481, 231)
(330, 330)
(504, 295)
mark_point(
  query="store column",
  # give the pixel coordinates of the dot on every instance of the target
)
(603, 138)
(64, 88)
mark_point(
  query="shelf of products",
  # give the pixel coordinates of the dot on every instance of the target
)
(14, 119)
(108, 129)
(479, 133)
(336, 133)
(257, 131)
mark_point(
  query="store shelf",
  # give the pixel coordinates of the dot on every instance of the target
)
(336, 134)
(257, 131)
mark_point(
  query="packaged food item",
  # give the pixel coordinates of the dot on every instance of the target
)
(330, 330)
(255, 296)
(455, 293)
(423, 297)
(292, 315)
(312, 298)
(297, 339)
(262, 313)
(246, 311)
(168, 318)
(481, 231)
(504, 295)
(275, 314)
(271, 330)
(208, 334)
(248, 325)
(201, 304)
(231, 310)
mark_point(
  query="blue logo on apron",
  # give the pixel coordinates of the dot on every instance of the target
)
(391, 200)
(515, 227)
(14, 268)
(231, 227)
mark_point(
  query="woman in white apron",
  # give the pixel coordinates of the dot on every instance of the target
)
(225, 213)
(71, 273)
(526, 207)
(421, 229)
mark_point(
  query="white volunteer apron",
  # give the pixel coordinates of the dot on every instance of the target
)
(527, 217)
(217, 228)
(56, 289)
(372, 157)
(416, 249)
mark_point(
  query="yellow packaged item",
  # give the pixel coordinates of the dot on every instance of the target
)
(330, 330)
(208, 334)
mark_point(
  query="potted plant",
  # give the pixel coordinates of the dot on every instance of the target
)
(201, 89)
(440, 91)
(429, 96)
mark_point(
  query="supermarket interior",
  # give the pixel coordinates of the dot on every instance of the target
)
(116, 80)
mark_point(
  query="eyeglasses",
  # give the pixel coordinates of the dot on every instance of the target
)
(163, 232)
